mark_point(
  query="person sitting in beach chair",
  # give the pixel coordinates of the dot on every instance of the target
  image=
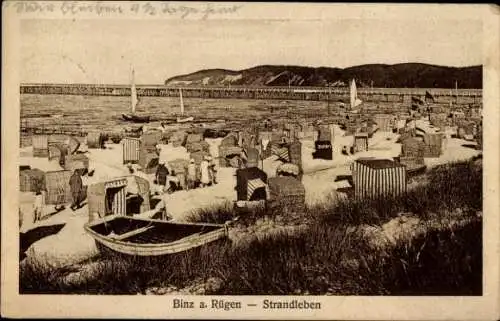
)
(344, 150)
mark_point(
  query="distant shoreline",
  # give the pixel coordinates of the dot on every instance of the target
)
(389, 95)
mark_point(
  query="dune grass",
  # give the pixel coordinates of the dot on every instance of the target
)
(324, 258)
(216, 214)
(442, 262)
(450, 186)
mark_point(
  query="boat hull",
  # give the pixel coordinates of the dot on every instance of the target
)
(136, 118)
(185, 120)
(129, 247)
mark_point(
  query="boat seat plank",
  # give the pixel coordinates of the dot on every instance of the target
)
(132, 233)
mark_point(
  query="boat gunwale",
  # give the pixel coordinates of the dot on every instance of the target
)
(136, 118)
(108, 218)
(222, 231)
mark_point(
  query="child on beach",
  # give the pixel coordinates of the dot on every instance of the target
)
(37, 206)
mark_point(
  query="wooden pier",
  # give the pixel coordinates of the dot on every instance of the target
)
(396, 95)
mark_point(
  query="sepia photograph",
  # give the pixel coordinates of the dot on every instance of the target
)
(187, 150)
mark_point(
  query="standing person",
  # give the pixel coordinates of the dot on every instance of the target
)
(38, 206)
(174, 182)
(162, 175)
(76, 186)
(158, 149)
(212, 171)
(191, 174)
(20, 219)
(267, 124)
(205, 178)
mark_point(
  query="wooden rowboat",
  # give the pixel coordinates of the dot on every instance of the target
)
(185, 119)
(150, 237)
(136, 118)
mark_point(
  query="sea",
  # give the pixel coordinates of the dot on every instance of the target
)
(99, 112)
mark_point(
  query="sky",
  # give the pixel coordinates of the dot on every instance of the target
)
(102, 51)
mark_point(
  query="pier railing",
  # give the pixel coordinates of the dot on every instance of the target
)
(401, 95)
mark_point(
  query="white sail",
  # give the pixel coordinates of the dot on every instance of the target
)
(133, 93)
(182, 102)
(353, 93)
(183, 119)
(355, 101)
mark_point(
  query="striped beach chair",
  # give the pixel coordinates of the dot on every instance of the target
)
(253, 185)
(131, 150)
(281, 152)
(378, 178)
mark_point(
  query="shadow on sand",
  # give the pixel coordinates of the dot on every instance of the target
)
(34, 235)
(472, 146)
(154, 202)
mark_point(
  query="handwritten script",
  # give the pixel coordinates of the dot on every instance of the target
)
(74, 8)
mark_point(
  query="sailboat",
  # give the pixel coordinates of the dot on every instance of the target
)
(132, 116)
(183, 119)
(328, 99)
(355, 101)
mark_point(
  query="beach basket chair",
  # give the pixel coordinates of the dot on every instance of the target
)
(286, 194)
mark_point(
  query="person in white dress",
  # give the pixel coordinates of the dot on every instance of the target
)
(191, 174)
(205, 176)
(212, 170)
